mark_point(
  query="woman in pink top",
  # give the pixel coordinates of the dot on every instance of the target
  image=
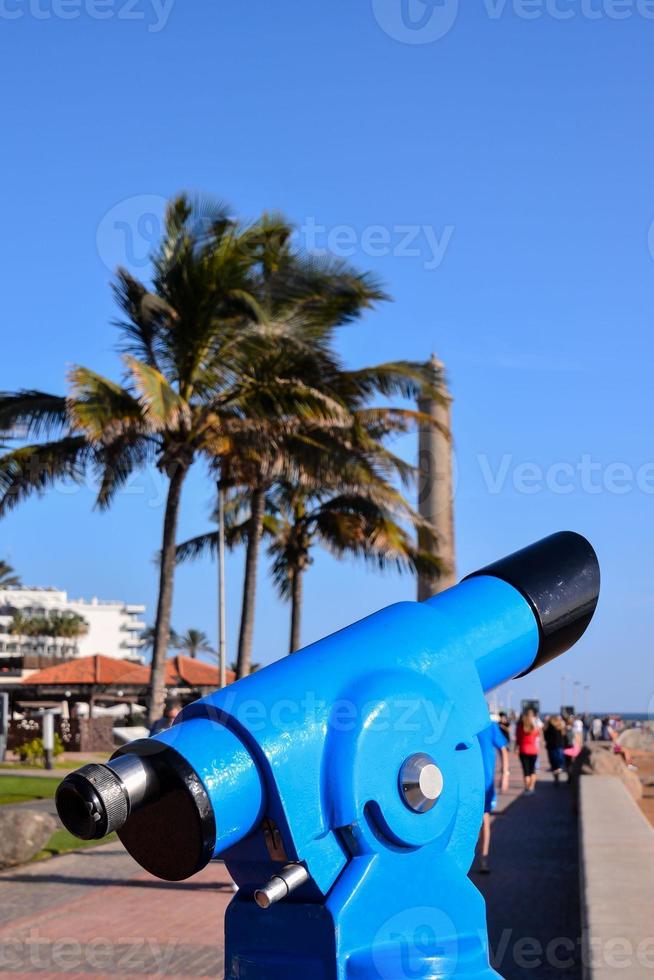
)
(527, 738)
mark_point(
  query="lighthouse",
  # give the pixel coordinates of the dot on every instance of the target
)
(435, 486)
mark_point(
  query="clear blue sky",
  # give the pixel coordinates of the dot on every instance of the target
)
(522, 144)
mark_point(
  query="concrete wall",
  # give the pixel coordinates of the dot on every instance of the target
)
(617, 882)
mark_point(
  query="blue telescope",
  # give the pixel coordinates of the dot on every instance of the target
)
(343, 786)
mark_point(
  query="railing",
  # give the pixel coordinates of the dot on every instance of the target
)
(14, 664)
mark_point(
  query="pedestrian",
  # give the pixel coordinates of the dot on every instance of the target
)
(528, 746)
(577, 733)
(505, 725)
(554, 735)
(620, 750)
(172, 708)
(492, 741)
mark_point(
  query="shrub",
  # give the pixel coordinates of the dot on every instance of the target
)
(33, 754)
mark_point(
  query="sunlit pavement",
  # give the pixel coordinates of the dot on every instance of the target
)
(96, 913)
(532, 892)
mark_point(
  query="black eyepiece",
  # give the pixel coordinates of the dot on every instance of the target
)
(560, 579)
(152, 797)
(92, 802)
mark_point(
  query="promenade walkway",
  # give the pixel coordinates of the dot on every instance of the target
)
(532, 892)
(95, 913)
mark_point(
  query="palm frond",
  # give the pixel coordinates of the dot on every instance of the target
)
(36, 468)
(8, 578)
(116, 462)
(31, 414)
(409, 379)
(102, 409)
(198, 547)
(146, 318)
(162, 406)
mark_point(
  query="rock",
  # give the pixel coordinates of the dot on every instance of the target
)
(600, 760)
(638, 739)
(633, 783)
(23, 833)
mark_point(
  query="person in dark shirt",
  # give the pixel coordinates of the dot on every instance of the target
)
(555, 741)
(171, 710)
(491, 740)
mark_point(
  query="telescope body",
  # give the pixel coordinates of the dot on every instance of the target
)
(343, 786)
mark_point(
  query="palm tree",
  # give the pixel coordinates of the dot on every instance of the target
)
(226, 357)
(233, 666)
(148, 637)
(352, 519)
(361, 522)
(71, 626)
(193, 384)
(19, 627)
(7, 577)
(194, 642)
(34, 626)
(299, 303)
(53, 624)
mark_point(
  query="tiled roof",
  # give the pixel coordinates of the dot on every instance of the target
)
(97, 669)
(187, 672)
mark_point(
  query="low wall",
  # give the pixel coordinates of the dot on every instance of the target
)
(77, 734)
(617, 882)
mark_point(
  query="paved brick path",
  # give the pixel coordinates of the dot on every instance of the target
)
(532, 892)
(96, 913)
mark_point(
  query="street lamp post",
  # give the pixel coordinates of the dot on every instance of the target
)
(222, 645)
(48, 739)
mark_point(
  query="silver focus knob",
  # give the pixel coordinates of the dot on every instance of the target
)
(421, 782)
(281, 885)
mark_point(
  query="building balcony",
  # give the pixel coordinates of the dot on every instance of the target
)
(132, 643)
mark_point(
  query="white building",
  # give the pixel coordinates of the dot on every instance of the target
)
(114, 627)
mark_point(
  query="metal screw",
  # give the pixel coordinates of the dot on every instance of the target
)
(421, 782)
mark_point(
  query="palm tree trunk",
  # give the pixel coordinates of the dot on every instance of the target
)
(157, 692)
(246, 631)
(296, 610)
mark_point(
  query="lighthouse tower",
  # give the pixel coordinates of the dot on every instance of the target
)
(436, 491)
